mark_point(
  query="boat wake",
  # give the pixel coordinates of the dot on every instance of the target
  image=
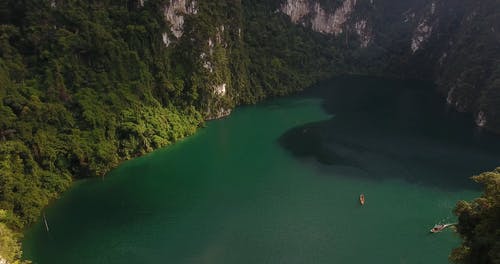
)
(440, 227)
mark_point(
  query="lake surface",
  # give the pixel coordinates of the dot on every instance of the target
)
(279, 183)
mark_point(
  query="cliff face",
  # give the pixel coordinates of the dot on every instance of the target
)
(336, 21)
(416, 39)
(174, 13)
(455, 43)
(206, 28)
(319, 19)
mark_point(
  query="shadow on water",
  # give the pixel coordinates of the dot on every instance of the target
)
(393, 129)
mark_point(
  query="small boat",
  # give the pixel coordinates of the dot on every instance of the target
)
(362, 199)
(438, 228)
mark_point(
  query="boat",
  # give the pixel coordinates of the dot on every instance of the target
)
(362, 199)
(439, 227)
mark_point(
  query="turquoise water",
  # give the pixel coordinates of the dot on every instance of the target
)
(279, 183)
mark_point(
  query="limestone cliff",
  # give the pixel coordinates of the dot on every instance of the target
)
(311, 13)
(174, 13)
(210, 56)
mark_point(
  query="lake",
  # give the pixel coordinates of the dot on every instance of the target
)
(279, 182)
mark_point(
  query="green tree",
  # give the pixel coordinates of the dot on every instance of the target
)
(10, 249)
(479, 224)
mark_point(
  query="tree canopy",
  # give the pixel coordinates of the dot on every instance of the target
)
(479, 223)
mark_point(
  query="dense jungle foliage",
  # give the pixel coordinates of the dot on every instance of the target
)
(478, 223)
(82, 87)
(85, 85)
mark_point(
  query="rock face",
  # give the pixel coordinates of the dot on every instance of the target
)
(481, 120)
(174, 13)
(364, 32)
(211, 64)
(422, 34)
(220, 90)
(321, 20)
(427, 20)
(311, 13)
(326, 22)
(219, 113)
(296, 9)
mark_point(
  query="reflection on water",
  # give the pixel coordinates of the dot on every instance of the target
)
(394, 129)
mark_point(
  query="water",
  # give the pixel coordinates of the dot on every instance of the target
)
(279, 183)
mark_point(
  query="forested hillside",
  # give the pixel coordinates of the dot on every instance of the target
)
(85, 85)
